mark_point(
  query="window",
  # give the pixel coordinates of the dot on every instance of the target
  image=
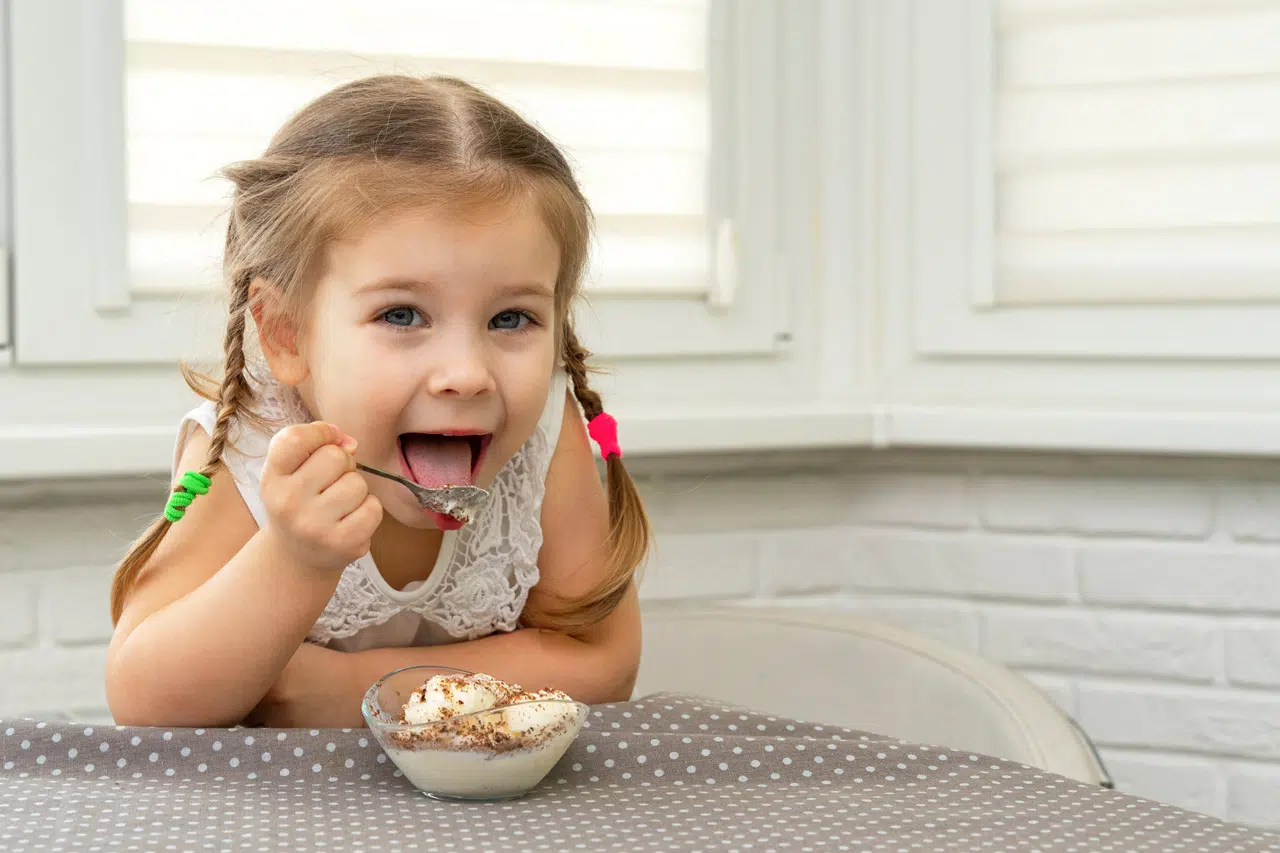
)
(626, 87)
(1090, 260)
(1135, 165)
(691, 122)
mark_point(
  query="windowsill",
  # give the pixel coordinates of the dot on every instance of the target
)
(59, 453)
(56, 453)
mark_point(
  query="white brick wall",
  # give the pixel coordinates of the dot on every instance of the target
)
(57, 548)
(1142, 596)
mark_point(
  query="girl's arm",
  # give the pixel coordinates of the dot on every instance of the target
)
(222, 607)
(324, 688)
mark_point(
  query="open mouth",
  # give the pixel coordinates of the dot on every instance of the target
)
(437, 460)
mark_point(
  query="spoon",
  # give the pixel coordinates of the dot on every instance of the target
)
(460, 502)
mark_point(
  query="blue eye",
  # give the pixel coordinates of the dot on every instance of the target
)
(401, 316)
(510, 321)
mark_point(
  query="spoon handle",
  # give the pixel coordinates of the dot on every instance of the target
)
(387, 474)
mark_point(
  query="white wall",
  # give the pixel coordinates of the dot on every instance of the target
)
(1143, 594)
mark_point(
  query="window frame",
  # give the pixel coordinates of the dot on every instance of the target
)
(6, 232)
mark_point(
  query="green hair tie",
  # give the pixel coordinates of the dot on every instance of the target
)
(195, 484)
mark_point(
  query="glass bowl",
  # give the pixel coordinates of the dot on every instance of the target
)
(496, 754)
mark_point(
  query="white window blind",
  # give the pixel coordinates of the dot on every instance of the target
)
(621, 85)
(1138, 151)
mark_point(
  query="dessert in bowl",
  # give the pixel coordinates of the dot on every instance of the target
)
(467, 736)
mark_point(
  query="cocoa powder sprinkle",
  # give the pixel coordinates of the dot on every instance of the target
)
(487, 731)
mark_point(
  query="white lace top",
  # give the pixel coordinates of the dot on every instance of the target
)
(483, 573)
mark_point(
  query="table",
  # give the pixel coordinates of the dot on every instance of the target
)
(665, 773)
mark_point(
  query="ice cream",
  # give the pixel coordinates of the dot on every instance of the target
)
(474, 736)
(447, 696)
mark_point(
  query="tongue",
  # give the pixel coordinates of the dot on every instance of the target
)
(437, 461)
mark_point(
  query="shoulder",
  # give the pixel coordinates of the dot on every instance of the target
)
(575, 510)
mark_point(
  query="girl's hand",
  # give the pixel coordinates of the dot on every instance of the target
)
(318, 506)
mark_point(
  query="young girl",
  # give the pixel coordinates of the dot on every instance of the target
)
(408, 251)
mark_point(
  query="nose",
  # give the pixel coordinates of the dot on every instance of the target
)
(460, 369)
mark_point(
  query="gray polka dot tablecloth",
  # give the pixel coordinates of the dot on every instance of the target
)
(666, 773)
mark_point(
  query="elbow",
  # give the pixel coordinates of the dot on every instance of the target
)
(143, 708)
(617, 678)
(139, 696)
(624, 684)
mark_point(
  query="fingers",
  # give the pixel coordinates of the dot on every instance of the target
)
(293, 446)
(322, 470)
(344, 495)
(361, 522)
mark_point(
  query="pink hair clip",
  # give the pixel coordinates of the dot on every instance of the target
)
(603, 429)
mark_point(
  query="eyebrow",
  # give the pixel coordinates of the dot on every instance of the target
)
(533, 289)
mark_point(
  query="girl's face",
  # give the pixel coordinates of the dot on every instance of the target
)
(431, 340)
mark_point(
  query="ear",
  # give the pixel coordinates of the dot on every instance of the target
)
(277, 333)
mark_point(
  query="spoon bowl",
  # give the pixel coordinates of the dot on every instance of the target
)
(460, 502)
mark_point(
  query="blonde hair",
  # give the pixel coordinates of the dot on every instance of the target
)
(378, 144)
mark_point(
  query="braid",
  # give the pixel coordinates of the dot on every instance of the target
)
(575, 363)
(629, 532)
(233, 393)
(235, 390)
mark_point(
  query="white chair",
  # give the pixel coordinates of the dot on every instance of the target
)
(828, 666)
